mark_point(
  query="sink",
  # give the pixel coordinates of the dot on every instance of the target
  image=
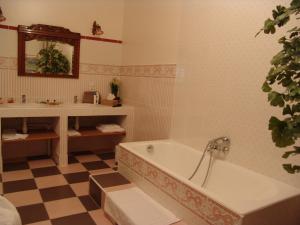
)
(21, 105)
(81, 105)
(40, 105)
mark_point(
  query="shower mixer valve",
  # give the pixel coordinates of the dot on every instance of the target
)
(221, 144)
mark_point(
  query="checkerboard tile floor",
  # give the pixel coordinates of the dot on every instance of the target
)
(46, 194)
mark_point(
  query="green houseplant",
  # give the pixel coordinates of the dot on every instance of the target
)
(52, 60)
(115, 87)
(283, 82)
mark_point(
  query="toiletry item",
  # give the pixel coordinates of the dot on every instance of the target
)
(95, 99)
(75, 99)
(10, 100)
(88, 97)
(112, 103)
(23, 98)
(48, 102)
(98, 97)
(110, 96)
(76, 126)
(24, 126)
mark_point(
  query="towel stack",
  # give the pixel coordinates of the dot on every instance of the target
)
(72, 132)
(13, 135)
(108, 128)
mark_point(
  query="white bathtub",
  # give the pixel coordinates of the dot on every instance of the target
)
(232, 194)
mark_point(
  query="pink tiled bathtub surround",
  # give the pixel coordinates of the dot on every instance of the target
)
(207, 209)
(208, 204)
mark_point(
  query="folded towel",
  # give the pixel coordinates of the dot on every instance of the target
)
(133, 207)
(106, 128)
(11, 135)
(72, 132)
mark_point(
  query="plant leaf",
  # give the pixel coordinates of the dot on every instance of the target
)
(291, 169)
(282, 136)
(266, 87)
(269, 26)
(275, 99)
(287, 110)
(289, 153)
(295, 3)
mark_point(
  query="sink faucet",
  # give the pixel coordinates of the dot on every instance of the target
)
(23, 98)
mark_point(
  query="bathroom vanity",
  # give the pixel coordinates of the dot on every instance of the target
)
(58, 119)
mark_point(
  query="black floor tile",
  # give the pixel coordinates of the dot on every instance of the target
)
(39, 157)
(19, 185)
(45, 171)
(95, 165)
(72, 159)
(78, 219)
(56, 193)
(77, 177)
(88, 203)
(107, 155)
(15, 166)
(33, 213)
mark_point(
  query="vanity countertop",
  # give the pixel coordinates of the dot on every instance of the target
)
(79, 109)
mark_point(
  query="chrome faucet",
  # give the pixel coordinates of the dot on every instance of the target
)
(221, 144)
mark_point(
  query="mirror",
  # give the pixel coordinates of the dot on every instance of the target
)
(48, 51)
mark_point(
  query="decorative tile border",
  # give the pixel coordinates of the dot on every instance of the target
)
(98, 69)
(207, 209)
(8, 63)
(85, 68)
(156, 71)
(165, 71)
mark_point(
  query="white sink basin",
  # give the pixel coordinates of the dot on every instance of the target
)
(80, 105)
(41, 105)
(25, 105)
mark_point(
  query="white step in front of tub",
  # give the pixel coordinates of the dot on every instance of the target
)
(133, 207)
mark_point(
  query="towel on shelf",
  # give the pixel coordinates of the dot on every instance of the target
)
(107, 128)
(72, 132)
(13, 135)
(133, 207)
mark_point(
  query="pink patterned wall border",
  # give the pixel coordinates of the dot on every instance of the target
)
(8, 63)
(154, 71)
(207, 209)
(99, 69)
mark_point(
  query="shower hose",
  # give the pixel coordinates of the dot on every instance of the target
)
(200, 162)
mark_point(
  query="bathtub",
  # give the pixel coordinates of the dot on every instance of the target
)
(232, 194)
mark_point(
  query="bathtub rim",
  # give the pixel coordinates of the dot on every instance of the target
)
(203, 191)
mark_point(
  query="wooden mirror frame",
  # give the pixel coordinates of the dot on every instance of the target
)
(48, 33)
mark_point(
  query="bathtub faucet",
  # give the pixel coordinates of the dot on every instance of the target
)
(220, 144)
(150, 148)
